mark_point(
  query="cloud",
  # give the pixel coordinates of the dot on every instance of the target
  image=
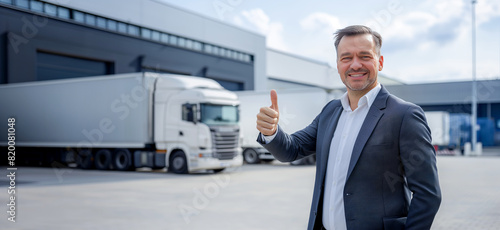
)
(409, 26)
(315, 37)
(486, 10)
(320, 21)
(430, 24)
(257, 20)
(444, 32)
(434, 23)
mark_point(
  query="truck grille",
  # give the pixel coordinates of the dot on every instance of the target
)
(225, 144)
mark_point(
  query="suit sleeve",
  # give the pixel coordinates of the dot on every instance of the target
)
(288, 148)
(419, 162)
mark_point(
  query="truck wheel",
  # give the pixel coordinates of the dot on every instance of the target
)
(84, 159)
(178, 163)
(122, 160)
(102, 159)
(251, 156)
(218, 170)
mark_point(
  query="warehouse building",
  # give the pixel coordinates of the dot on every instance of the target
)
(456, 98)
(44, 40)
(54, 39)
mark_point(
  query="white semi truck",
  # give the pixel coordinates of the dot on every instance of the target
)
(297, 107)
(125, 121)
(439, 124)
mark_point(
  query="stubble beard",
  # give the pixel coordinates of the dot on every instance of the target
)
(367, 83)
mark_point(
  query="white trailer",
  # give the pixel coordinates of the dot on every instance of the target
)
(126, 121)
(439, 123)
(297, 107)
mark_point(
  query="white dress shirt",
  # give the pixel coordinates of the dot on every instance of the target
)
(341, 147)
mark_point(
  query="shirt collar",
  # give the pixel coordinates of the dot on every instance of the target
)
(368, 98)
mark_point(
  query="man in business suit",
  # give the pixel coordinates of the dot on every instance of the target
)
(376, 167)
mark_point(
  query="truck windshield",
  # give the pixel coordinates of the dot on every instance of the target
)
(219, 114)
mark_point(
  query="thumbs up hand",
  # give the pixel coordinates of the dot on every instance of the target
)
(268, 117)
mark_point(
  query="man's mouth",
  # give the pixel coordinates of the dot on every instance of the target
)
(357, 75)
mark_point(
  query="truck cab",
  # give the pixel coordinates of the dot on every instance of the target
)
(196, 124)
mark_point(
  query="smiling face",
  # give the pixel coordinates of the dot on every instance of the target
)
(358, 63)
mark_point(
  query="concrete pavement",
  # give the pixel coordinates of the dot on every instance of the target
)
(267, 196)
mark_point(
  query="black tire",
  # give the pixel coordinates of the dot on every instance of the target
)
(102, 159)
(68, 156)
(84, 159)
(251, 156)
(178, 163)
(122, 160)
(48, 159)
(218, 170)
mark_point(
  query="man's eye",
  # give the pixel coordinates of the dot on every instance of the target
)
(346, 58)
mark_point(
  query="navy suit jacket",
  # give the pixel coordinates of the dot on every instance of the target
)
(392, 180)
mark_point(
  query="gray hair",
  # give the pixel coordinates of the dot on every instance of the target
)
(358, 30)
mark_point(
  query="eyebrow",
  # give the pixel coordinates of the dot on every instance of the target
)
(362, 53)
(345, 54)
(365, 53)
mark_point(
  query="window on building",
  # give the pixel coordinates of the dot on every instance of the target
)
(23, 3)
(54, 66)
(90, 19)
(197, 45)
(222, 52)
(164, 38)
(101, 22)
(36, 6)
(208, 48)
(155, 35)
(215, 50)
(133, 30)
(6, 1)
(112, 25)
(182, 42)
(63, 12)
(173, 40)
(146, 33)
(78, 16)
(122, 27)
(50, 9)
(189, 44)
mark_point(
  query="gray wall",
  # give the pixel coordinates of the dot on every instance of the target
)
(126, 53)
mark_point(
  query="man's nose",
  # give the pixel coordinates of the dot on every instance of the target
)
(356, 64)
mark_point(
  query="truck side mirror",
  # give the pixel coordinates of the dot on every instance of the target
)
(189, 112)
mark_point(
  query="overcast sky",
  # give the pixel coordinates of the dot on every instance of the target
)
(423, 41)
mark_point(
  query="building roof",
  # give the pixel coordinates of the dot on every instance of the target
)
(488, 91)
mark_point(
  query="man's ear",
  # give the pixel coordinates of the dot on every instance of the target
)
(381, 63)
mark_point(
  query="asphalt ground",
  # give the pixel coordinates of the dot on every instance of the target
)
(266, 196)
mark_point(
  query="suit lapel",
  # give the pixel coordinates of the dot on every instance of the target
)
(325, 148)
(374, 114)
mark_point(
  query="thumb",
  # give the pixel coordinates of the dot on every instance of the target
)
(274, 100)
